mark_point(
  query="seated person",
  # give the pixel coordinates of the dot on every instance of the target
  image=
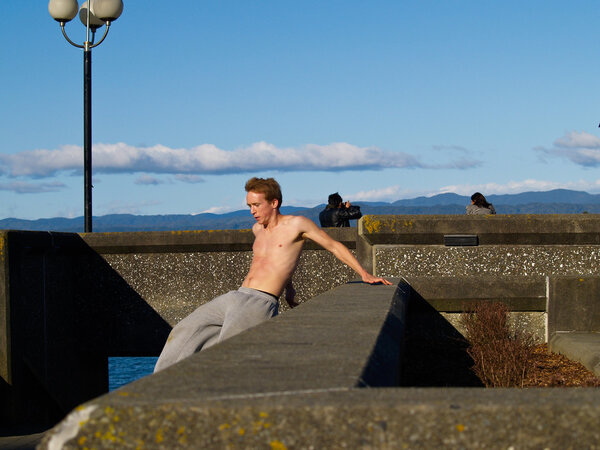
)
(479, 205)
(278, 243)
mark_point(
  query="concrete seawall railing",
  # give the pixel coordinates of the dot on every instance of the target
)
(295, 382)
(348, 337)
(68, 301)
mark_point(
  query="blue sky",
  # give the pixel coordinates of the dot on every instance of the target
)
(378, 100)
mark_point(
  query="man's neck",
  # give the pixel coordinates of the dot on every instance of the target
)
(273, 220)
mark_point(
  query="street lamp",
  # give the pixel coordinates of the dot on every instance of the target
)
(98, 14)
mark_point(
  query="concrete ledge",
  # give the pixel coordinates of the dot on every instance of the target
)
(347, 337)
(486, 260)
(574, 304)
(348, 418)
(582, 347)
(452, 294)
(532, 229)
(192, 241)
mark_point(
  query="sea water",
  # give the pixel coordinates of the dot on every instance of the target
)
(123, 370)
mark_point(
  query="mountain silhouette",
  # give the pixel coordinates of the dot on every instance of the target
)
(558, 201)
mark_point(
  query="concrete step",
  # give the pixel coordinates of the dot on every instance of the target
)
(582, 347)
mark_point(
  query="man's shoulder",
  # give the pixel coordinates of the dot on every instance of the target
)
(299, 224)
(294, 220)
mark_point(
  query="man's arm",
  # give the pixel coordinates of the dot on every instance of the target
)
(311, 231)
(350, 212)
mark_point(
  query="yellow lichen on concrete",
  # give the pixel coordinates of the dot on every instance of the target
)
(371, 225)
(277, 445)
(259, 425)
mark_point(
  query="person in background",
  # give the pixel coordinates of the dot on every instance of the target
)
(337, 213)
(479, 205)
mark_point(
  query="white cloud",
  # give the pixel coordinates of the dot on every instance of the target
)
(208, 159)
(119, 207)
(192, 179)
(393, 193)
(512, 187)
(578, 140)
(386, 194)
(580, 148)
(22, 187)
(217, 210)
(148, 180)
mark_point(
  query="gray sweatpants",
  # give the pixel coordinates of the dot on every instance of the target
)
(215, 321)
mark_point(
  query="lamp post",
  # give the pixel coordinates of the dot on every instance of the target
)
(99, 13)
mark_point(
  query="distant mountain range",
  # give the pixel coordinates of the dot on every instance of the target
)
(558, 201)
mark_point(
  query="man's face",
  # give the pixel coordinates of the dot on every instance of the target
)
(260, 207)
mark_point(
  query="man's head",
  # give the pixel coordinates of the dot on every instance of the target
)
(267, 186)
(263, 198)
(334, 200)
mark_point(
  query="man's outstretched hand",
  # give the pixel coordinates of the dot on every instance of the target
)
(368, 278)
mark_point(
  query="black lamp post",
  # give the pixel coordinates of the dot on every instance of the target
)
(99, 13)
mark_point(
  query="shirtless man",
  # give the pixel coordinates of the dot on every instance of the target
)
(277, 246)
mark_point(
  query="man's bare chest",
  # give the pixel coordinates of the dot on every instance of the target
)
(268, 243)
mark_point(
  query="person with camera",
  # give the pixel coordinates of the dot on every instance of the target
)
(337, 213)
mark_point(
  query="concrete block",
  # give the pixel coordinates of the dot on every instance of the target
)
(522, 229)
(5, 369)
(573, 304)
(454, 294)
(493, 260)
(582, 347)
(350, 336)
(69, 311)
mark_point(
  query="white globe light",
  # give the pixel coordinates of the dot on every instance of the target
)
(107, 9)
(63, 10)
(94, 21)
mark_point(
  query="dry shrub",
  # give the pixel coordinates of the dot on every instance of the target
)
(502, 355)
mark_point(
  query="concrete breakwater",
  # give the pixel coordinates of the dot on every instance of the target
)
(69, 301)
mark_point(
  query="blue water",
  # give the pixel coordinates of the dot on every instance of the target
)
(123, 370)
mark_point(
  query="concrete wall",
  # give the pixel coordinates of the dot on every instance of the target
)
(69, 301)
(294, 382)
(524, 245)
(514, 255)
(175, 272)
(574, 304)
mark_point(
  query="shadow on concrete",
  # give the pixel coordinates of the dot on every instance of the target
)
(435, 353)
(69, 311)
